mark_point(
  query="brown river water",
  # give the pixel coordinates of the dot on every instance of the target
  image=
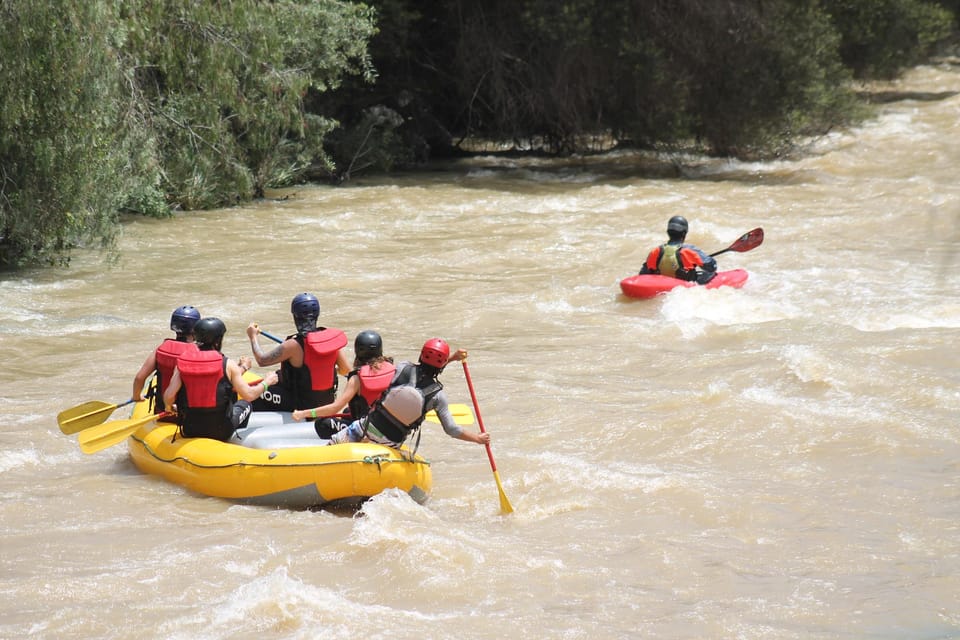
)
(776, 461)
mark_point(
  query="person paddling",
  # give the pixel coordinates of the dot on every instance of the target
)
(413, 392)
(205, 384)
(163, 359)
(371, 375)
(309, 360)
(679, 260)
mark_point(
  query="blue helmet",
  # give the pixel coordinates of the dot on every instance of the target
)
(183, 319)
(306, 310)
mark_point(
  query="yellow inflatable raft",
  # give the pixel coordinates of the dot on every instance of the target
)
(297, 477)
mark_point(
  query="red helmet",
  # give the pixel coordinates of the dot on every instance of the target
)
(435, 352)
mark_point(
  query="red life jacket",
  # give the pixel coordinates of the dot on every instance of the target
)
(166, 356)
(320, 349)
(373, 382)
(202, 373)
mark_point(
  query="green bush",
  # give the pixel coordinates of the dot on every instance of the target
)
(145, 105)
(224, 85)
(881, 38)
(66, 145)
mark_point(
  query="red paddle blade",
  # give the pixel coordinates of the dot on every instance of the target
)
(749, 240)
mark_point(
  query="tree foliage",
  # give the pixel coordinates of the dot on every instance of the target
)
(145, 105)
(880, 38)
(225, 83)
(148, 105)
(67, 158)
(736, 77)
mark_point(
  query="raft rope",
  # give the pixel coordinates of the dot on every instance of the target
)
(377, 459)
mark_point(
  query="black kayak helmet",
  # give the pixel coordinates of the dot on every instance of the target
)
(368, 345)
(209, 333)
(677, 228)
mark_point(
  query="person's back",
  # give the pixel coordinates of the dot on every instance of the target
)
(206, 391)
(372, 370)
(371, 375)
(402, 407)
(316, 379)
(163, 359)
(206, 384)
(309, 360)
(678, 260)
(413, 392)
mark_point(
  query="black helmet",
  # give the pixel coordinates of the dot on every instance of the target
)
(677, 227)
(183, 319)
(209, 333)
(305, 309)
(368, 345)
(677, 224)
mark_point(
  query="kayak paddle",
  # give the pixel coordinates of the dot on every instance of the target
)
(505, 506)
(88, 414)
(269, 335)
(746, 242)
(113, 432)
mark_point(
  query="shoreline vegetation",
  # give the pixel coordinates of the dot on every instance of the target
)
(145, 108)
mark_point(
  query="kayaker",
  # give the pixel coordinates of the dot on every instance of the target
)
(679, 260)
(163, 359)
(205, 384)
(309, 360)
(413, 392)
(371, 375)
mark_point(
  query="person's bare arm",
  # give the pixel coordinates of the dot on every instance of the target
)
(343, 367)
(286, 350)
(170, 395)
(352, 388)
(247, 391)
(148, 367)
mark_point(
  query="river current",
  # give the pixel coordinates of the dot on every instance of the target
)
(779, 461)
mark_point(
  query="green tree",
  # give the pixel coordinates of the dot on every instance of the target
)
(69, 151)
(225, 84)
(755, 77)
(749, 78)
(881, 38)
(141, 106)
(740, 78)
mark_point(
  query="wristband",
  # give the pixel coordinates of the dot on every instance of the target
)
(265, 387)
(313, 413)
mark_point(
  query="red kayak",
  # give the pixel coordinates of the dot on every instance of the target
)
(648, 286)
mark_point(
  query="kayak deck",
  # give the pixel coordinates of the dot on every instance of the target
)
(651, 285)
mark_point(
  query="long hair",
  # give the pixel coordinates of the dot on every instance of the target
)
(374, 362)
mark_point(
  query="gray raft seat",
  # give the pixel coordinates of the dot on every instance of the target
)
(277, 430)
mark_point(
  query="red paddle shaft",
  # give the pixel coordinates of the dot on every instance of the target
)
(476, 408)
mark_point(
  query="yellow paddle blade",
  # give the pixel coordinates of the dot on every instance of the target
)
(114, 432)
(505, 506)
(86, 415)
(461, 414)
